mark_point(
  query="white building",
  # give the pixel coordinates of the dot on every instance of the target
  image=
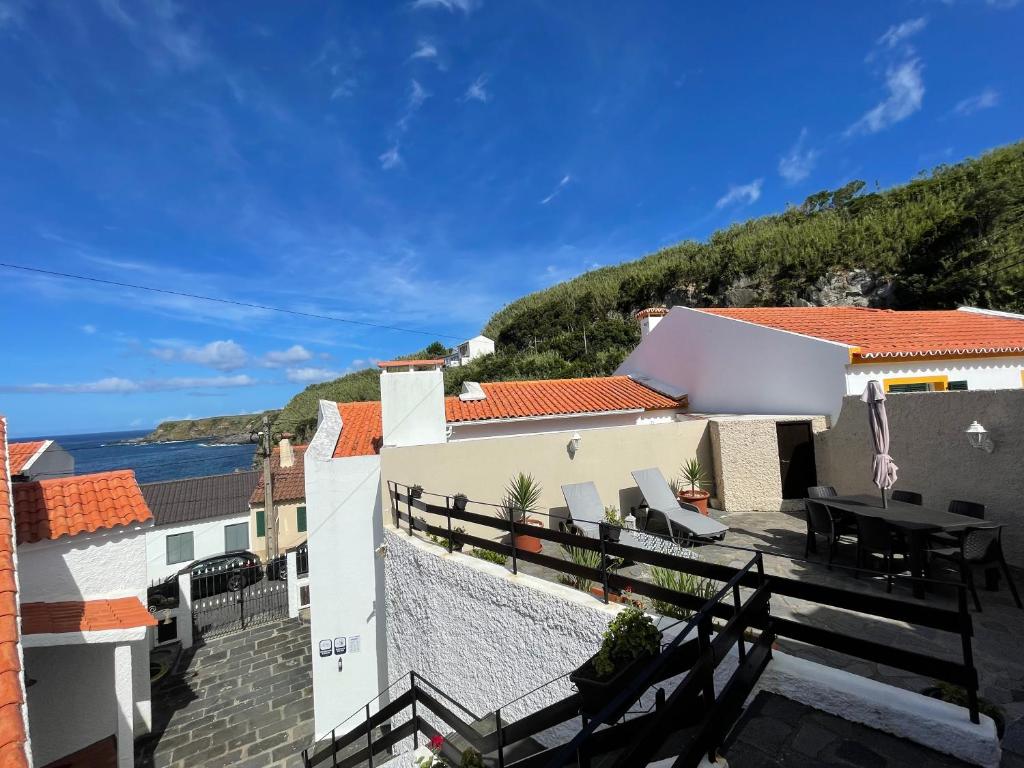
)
(344, 494)
(40, 460)
(468, 350)
(803, 360)
(81, 585)
(194, 518)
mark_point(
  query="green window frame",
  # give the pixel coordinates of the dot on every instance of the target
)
(300, 519)
(261, 523)
(180, 548)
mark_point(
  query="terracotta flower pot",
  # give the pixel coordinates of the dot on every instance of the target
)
(530, 543)
(699, 499)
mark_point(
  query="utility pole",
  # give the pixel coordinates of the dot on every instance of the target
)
(266, 448)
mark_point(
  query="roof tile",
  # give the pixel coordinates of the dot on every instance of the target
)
(199, 498)
(881, 333)
(67, 506)
(85, 616)
(20, 453)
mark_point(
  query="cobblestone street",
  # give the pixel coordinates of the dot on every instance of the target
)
(244, 700)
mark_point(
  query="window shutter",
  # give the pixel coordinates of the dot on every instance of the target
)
(261, 523)
(300, 519)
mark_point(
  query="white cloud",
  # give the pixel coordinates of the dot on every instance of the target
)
(390, 158)
(466, 6)
(88, 328)
(417, 95)
(284, 357)
(424, 50)
(906, 93)
(797, 164)
(311, 375)
(158, 32)
(220, 355)
(118, 385)
(558, 188)
(477, 90)
(987, 99)
(344, 89)
(899, 33)
(1002, 5)
(742, 194)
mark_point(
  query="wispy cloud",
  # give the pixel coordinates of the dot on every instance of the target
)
(987, 99)
(390, 158)
(477, 90)
(219, 355)
(12, 13)
(897, 34)
(1002, 5)
(466, 6)
(311, 375)
(424, 50)
(741, 194)
(797, 164)
(417, 95)
(158, 31)
(284, 357)
(557, 190)
(905, 86)
(88, 328)
(122, 386)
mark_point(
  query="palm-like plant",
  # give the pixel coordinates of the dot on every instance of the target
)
(522, 494)
(692, 474)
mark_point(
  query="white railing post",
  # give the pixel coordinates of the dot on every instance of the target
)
(293, 586)
(184, 610)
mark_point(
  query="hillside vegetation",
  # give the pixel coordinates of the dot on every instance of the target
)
(949, 237)
(220, 429)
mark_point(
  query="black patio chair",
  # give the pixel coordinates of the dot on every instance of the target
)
(876, 537)
(821, 492)
(908, 497)
(823, 521)
(968, 508)
(977, 547)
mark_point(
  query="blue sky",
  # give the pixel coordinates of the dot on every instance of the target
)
(418, 164)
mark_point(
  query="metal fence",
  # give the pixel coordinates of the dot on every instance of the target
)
(233, 596)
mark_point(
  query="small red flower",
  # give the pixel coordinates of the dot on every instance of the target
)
(436, 742)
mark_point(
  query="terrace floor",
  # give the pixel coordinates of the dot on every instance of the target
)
(997, 629)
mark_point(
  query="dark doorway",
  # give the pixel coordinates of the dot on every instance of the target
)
(796, 458)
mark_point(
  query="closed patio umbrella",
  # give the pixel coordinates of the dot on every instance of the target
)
(883, 470)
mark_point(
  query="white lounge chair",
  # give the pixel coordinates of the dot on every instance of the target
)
(585, 508)
(677, 516)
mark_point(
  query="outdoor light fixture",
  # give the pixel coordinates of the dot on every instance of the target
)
(978, 437)
(574, 443)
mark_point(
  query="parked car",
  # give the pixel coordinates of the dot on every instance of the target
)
(277, 569)
(230, 572)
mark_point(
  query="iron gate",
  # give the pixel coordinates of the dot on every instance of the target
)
(233, 595)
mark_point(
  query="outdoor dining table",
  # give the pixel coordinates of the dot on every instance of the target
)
(916, 521)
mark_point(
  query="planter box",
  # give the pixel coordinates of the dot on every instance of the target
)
(597, 692)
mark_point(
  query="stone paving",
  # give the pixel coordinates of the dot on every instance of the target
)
(775, 731)
(243, 700)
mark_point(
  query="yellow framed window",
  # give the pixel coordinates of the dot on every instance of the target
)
(917, 384)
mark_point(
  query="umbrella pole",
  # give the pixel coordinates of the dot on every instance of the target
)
(885, 501)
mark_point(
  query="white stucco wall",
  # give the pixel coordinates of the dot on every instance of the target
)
(54, 461)
(731, 366)
(470, 430)
(979, 373)
(207, 540)
(85, 567)
(345, 577)
(412, 407)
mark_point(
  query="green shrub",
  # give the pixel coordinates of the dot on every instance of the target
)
(471, 759)
(631, 635)
(679, 581)
(580, 556)
(489, 556)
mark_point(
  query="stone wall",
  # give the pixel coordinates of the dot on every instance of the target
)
(928, 444)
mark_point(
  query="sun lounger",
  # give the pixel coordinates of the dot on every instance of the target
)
(585, 507)
(663, 503)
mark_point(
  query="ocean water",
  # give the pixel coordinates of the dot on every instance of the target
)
(152, 462)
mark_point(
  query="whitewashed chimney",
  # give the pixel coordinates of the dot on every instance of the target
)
(649, 318)
(287, 454)
(412, 402)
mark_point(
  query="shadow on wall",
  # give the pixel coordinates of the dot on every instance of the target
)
(928, 444)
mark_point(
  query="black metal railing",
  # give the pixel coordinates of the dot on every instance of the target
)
(405, 500)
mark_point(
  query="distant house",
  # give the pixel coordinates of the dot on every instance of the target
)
(196, 517)
(287, 466)
(468, 350)
(77, 580)
(40, 460)
(803, 360)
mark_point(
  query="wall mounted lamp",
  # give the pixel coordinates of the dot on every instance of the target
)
(574, 443)
(979, 438)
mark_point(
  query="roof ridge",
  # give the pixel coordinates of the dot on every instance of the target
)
(87, 476)
(187, 479)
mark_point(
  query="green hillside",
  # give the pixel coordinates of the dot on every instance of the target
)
(949, 237)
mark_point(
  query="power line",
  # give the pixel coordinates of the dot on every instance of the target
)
(232, 302)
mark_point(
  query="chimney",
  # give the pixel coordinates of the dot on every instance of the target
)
(649, 318)
(287, 454)
(412, 402)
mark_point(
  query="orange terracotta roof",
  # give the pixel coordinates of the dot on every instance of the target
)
(361, 429)
(12, 714)
(85, 616)
(66, 506)
(651, 312)
(361, 422)
(883, 333)
(407, 363)
(20, 453)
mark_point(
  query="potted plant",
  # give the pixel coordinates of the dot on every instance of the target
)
(471, 758)
(613, 527)
(457, 545)
(459, 501)
(416, 491)
(692, 475)
(630, 641)
(522, 494)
